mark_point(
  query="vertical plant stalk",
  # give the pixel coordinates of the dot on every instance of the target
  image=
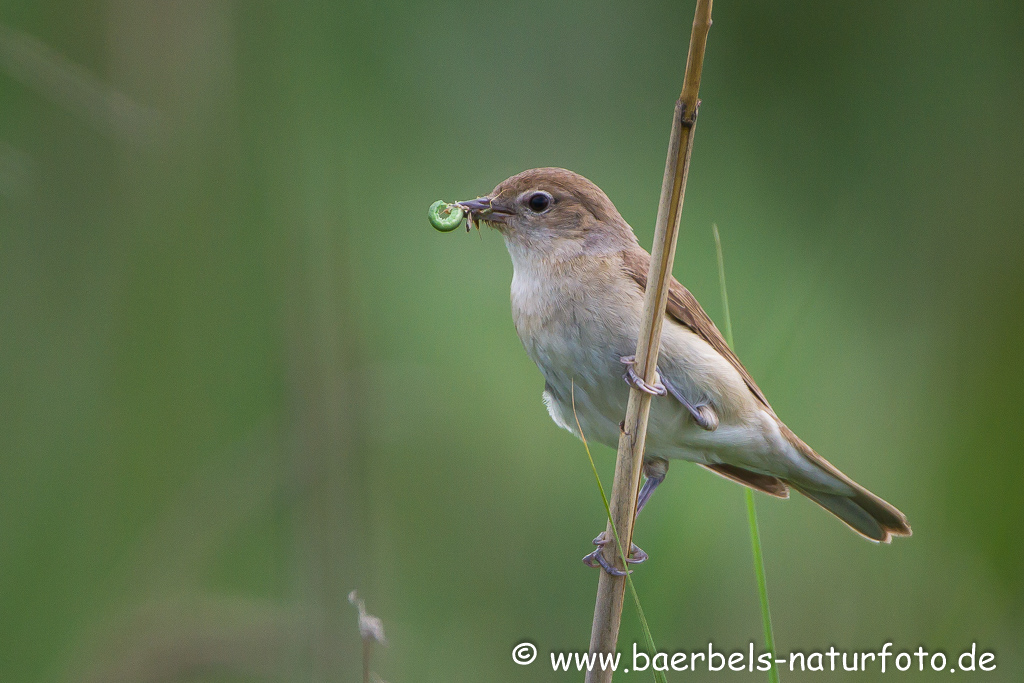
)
(755, 533)
(610, 590)
(659, 676)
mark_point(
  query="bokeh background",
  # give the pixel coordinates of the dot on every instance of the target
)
(240, 375)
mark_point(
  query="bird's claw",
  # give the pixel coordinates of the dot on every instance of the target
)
(596, 559)
(635, 380)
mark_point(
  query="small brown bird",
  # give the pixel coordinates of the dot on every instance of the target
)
(577, 293)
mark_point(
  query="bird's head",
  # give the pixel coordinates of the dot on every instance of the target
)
(552, 212)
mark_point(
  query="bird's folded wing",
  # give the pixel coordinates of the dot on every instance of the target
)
(683, 307)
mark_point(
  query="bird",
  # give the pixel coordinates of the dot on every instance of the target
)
(579, 276)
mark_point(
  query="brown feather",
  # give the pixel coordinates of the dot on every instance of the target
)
(765, 483)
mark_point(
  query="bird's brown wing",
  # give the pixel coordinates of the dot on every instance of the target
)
(863, 511)
(683, 307)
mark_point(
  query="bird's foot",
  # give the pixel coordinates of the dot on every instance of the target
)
(705, 416)
(597, 559)
(635, 380)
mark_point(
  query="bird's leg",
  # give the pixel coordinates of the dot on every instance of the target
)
(655, 470)
(635, 380)
(703, 413)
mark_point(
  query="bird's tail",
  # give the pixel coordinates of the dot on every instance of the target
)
(861, 510)
(864, 512)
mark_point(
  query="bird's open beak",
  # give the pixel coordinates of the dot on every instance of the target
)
(485, 209)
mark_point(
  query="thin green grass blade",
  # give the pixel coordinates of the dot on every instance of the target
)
(762, 588)
(659, 676)
(721, 286)
(755, 534)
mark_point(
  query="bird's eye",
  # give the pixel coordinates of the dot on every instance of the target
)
(539, 202)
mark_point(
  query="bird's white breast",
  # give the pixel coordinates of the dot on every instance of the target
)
(577, 318)
(575, 324)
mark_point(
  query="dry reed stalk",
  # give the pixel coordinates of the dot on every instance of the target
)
(610, 591)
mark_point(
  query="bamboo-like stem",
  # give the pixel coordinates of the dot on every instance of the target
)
(610, 590)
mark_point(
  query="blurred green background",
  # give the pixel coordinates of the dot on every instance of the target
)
(240, 375)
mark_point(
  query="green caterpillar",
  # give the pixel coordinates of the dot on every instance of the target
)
(445, 223)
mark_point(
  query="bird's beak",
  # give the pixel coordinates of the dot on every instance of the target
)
(485, 209)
